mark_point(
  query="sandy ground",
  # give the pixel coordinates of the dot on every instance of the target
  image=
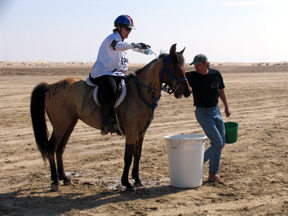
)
(254, 168)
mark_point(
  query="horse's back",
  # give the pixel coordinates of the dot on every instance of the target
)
(70, 99)
(62, 91)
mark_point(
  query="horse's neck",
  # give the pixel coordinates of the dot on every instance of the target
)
(151, 77)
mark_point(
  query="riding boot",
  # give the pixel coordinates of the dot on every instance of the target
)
(108, 122)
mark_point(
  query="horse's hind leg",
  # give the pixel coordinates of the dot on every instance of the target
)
(137, 156)
(51, 149)
(52, 146)
(60, 151)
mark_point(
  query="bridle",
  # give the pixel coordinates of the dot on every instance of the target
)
(172, 86)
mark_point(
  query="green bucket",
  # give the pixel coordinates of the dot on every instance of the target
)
(231, 132)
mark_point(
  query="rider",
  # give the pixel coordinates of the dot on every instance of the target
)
(111, 65)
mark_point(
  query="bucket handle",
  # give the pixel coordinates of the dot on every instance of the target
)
(227, 119)
(175, 144)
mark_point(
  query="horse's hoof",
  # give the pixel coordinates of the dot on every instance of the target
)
(66, 183)
(131, 190)
(138, 184)
(55, 187)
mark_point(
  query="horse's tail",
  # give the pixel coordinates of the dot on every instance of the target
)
(37, 110)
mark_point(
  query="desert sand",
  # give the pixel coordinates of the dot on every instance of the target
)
(254, 168)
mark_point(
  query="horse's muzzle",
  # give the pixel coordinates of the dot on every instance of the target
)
(179, 92)
(187, 93)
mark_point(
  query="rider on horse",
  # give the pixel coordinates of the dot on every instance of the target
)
(112, 65)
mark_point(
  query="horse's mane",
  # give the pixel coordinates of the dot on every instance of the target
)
(179, 58)
(141, 69)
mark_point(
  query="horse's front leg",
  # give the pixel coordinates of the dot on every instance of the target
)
(137, 156)
(129, 150)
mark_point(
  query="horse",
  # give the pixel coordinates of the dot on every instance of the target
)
(71, 99)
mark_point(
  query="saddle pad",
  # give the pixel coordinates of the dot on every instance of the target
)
(95, 93)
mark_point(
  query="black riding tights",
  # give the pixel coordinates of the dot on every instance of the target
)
(109, 86)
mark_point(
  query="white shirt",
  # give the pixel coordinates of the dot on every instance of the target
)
(110, 61)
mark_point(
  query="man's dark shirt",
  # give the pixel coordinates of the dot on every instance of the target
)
(205, 87)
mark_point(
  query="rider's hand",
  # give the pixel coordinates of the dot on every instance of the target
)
(144, 46)
(140, 45)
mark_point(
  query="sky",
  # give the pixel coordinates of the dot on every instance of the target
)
(249, 31)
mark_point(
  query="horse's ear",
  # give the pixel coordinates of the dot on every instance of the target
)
(173, 49)
(183, 50)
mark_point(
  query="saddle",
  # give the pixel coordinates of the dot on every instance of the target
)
(99, 97)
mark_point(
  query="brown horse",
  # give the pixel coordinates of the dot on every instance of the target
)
(71, 99)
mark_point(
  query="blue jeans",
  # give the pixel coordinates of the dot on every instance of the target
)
(212, 123)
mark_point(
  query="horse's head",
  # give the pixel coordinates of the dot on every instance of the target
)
(173, 74)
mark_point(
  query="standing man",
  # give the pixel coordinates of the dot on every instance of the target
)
(207, 86)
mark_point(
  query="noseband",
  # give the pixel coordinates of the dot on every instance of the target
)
(172, 85)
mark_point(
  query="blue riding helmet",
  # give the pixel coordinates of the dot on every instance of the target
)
(124, 20)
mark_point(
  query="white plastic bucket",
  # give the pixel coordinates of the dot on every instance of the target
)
(186, 157)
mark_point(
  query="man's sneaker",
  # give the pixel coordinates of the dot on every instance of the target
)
(215, 178)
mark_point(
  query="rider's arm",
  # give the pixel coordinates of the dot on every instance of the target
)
(224, 100)
(121, 45)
